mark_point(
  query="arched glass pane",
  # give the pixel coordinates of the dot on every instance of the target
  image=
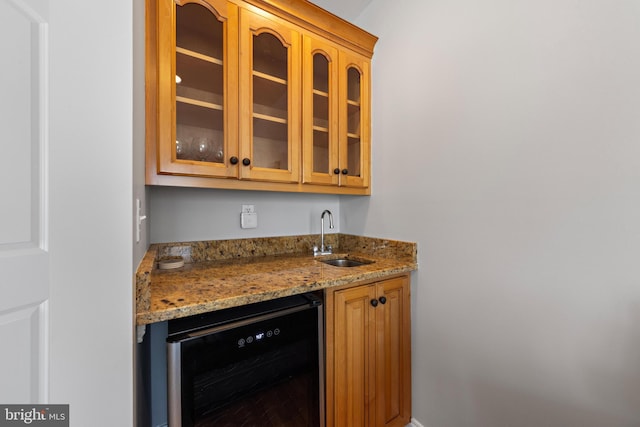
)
(320, 113)
(270, 103)
(353, 121)
(199, 85)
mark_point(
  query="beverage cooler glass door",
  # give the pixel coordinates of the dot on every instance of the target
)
(265, 370)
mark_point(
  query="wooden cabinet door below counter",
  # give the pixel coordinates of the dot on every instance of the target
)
(369, 354)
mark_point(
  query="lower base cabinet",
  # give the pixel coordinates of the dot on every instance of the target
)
(368, 354)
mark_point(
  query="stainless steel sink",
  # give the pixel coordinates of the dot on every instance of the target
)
(346, 262)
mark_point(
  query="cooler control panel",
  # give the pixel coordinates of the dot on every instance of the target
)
(257, 337)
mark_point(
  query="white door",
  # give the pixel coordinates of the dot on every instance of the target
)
(24, 257)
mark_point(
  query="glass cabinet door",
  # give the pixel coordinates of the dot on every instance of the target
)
(202, 140)
(354, 121)
(269, 90)
(320, 113)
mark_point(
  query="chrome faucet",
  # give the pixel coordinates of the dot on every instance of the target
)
(324, 250)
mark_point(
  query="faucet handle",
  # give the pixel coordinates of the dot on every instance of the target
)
(327, 250)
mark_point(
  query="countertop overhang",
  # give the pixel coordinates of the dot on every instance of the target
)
(229, 273)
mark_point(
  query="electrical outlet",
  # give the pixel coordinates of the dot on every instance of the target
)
(249, 220)
(248, 217)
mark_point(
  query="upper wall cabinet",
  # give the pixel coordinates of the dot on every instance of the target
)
(257, 95)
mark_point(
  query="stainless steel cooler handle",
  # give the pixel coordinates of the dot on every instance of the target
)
(239, 323)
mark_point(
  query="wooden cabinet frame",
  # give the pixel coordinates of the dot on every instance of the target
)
(312, 47)
(368, 354)
(252, 24)
(161, 131)
(363, 67)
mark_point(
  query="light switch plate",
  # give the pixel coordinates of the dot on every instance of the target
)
(248, 220)
(139, 219)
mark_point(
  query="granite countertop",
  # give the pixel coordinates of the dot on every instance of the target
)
(228, 273)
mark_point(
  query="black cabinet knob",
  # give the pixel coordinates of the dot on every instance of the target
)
(246, 161)
(382, 300)
(233, 160)
(345, 171)
(374, 302)
(336, 171)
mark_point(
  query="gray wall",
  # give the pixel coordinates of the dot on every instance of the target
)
(91, 306)
(140, 191)
(142, 396)
(187, 214)
(506, 143)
